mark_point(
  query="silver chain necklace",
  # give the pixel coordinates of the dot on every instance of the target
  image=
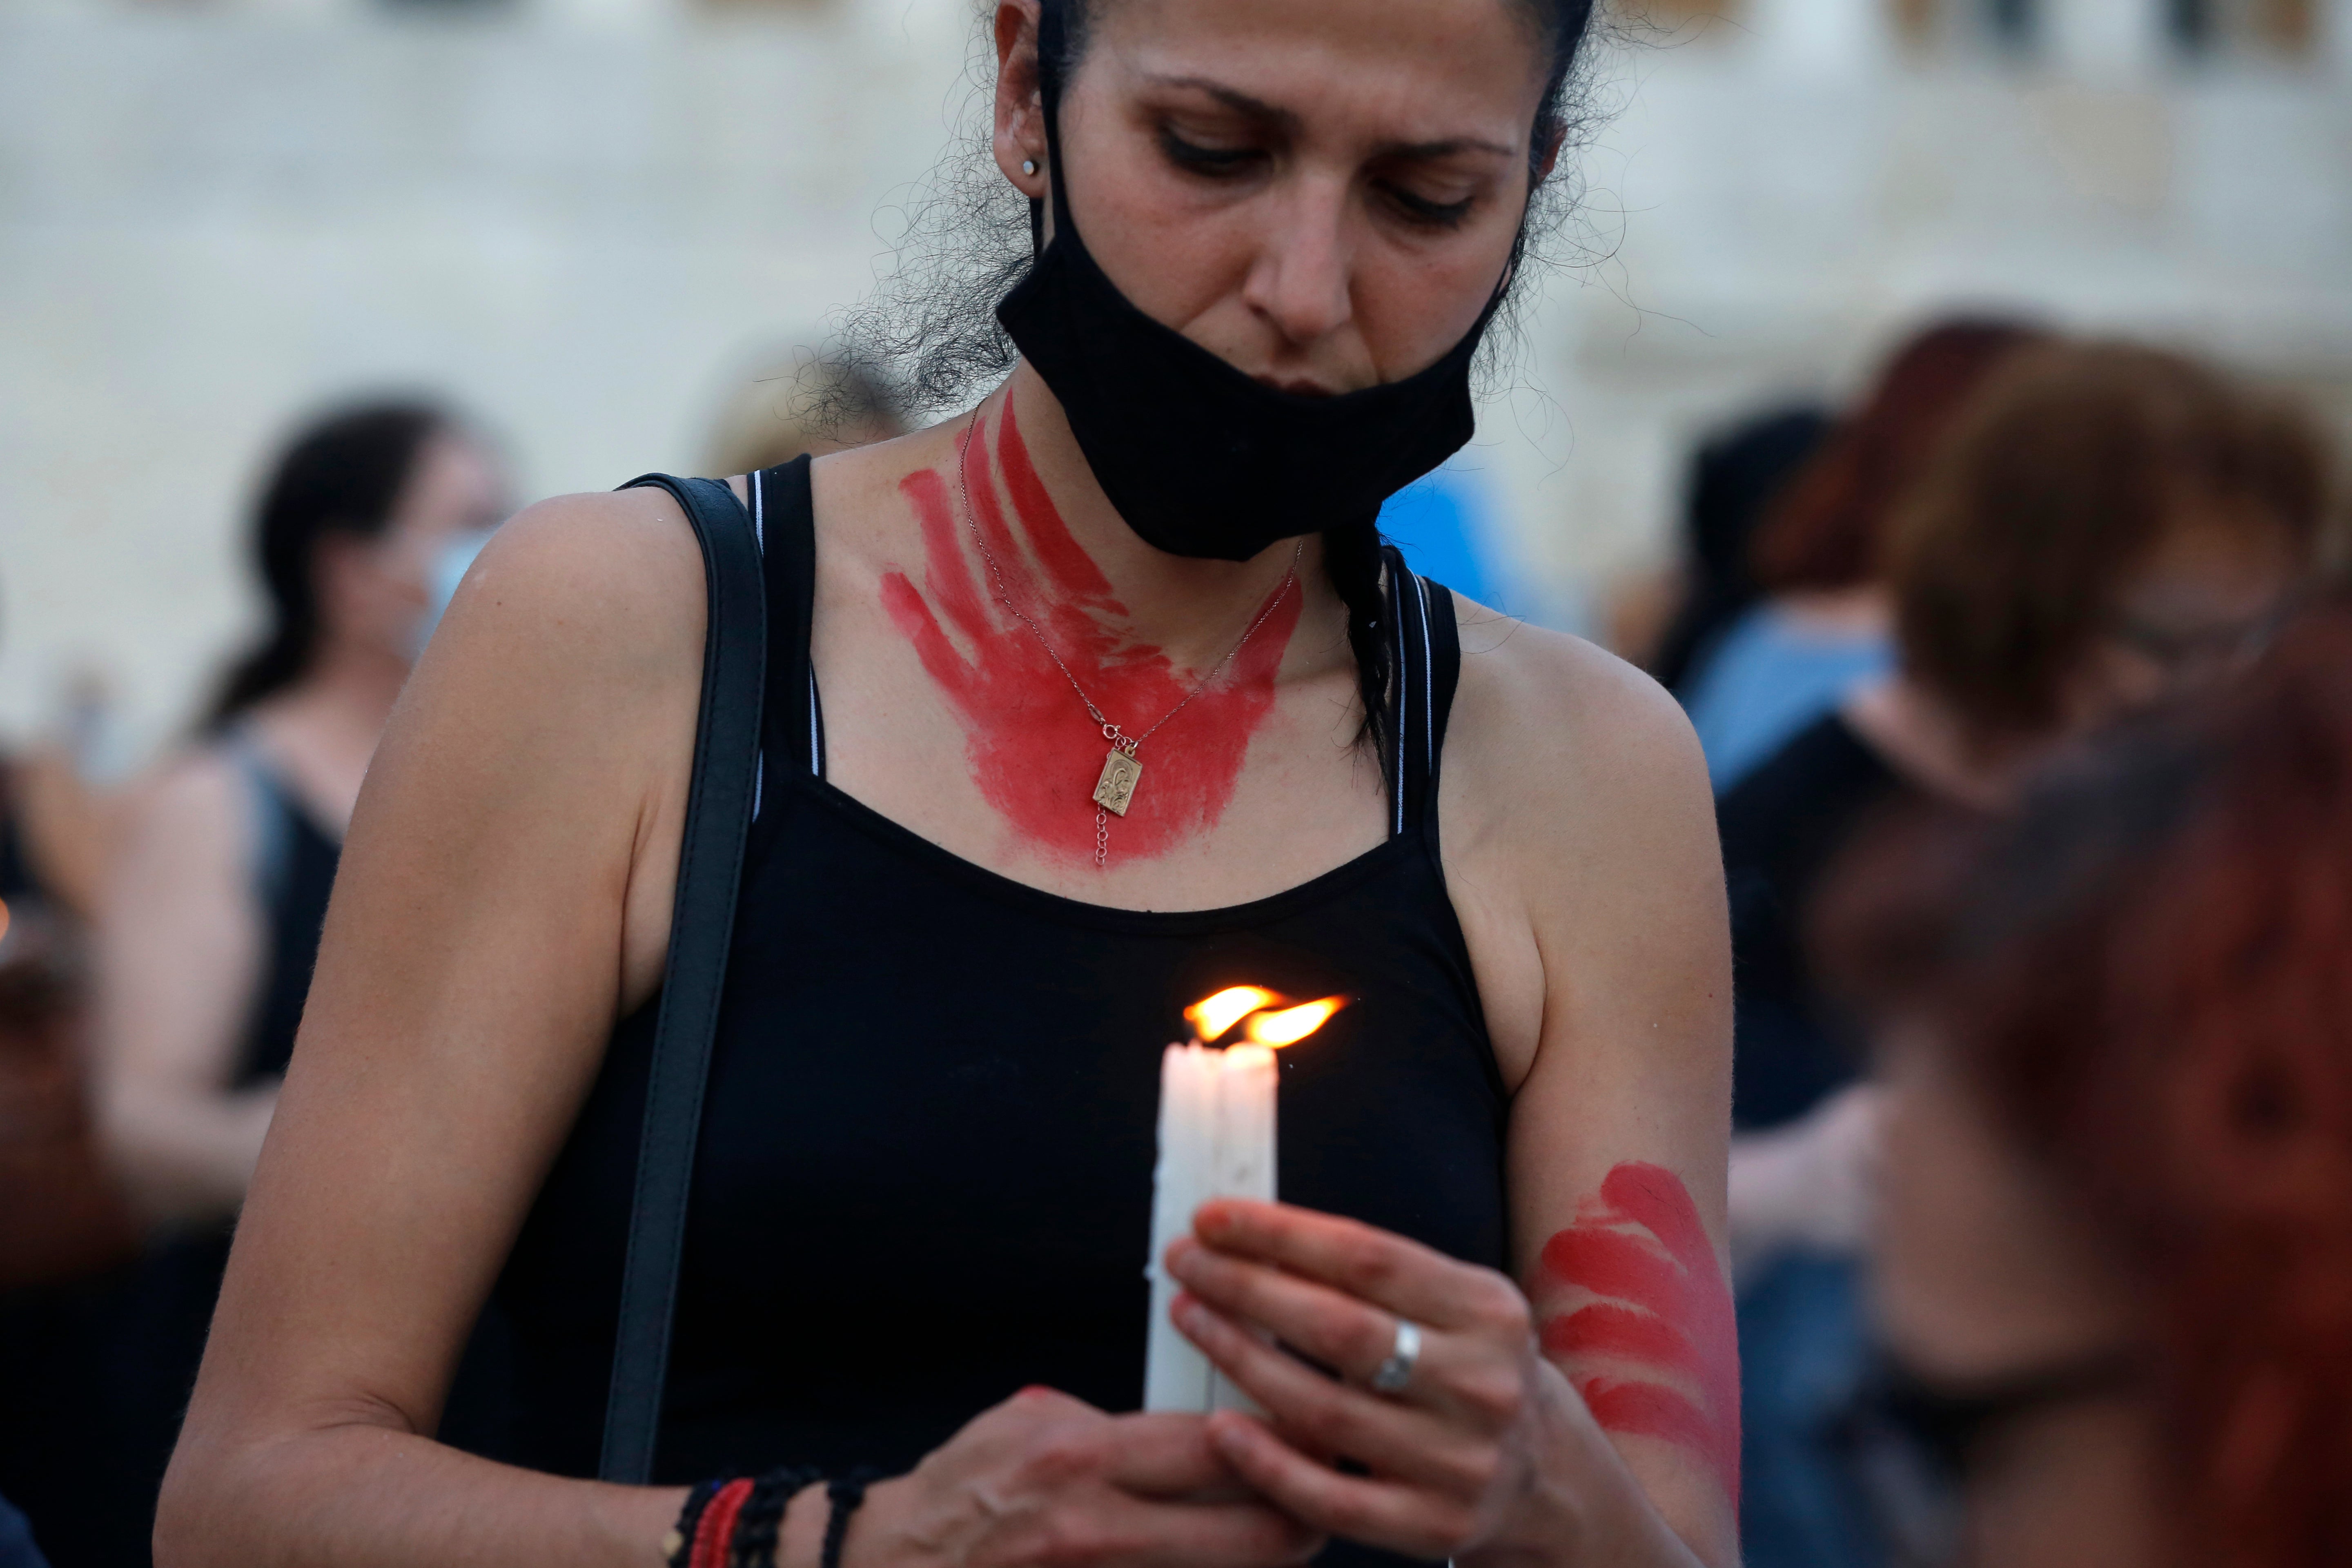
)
(1115, 790)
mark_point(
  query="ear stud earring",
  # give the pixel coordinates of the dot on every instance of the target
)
(1028, 165)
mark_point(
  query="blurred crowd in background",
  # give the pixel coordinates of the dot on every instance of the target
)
(1998, 559)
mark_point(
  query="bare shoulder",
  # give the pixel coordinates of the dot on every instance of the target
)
(539, 759)
(1548, 724)
(607, 584)
(1580, 847)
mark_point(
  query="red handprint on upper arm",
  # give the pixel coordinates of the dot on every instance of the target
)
(1655, 1347)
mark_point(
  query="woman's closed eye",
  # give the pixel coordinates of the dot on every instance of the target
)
(1209, 161)
(1417, 208)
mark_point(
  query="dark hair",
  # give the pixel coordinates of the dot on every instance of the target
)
(341, 475)
(2144, 976)
(1735, 477)
(2071, 467)
(930, 331)
(1827, 528)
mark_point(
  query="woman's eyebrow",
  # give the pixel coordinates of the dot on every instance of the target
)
(1282, 119)
(1446, 148)
(1240, 102)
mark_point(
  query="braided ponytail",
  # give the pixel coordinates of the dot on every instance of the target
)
(1351, 558)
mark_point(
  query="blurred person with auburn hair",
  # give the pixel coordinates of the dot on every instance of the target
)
(1817, 553)
(2116, 1237)
(210, 921)
(2109, 525)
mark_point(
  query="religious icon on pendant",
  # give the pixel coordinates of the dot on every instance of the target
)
(1117, 785)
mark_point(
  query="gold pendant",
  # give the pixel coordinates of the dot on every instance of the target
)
(1117, 785)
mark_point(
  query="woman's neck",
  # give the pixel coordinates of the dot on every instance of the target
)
(998, 560)
(1190, 610)
(1923, 740)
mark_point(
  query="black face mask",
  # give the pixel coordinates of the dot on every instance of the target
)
(1200, 460)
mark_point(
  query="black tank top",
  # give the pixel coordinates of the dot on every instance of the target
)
(294, 864)
(924, 1177)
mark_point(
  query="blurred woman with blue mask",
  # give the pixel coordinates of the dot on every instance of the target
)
(211, 920)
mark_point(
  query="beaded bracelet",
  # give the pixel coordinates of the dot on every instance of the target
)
(763, 1519)
(848, 1494)
(706, 1544)
(676, 1545)
(735, 1522)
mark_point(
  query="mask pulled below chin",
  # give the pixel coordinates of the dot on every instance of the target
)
(1200, 460)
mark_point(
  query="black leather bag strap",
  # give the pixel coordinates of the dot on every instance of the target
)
(702, 926)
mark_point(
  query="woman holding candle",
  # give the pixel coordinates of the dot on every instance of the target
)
(1082, 707)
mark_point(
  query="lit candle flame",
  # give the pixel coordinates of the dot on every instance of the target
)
(1288, 1025)
(1212, 1015)
(1270, 1021)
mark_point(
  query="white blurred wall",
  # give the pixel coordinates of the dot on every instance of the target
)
(577, 217)
(1779, 201)
(575, 221)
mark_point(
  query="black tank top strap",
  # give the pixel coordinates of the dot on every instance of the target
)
(293, 871)
(784, 521)
(1426, 648)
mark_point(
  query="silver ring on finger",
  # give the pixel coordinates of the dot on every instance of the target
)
(1396, 1372)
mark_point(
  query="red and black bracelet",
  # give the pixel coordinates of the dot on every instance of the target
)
(734, 1521)
(678, 1546)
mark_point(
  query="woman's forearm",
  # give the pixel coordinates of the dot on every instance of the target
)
(1585, 1509)
(367, 1496)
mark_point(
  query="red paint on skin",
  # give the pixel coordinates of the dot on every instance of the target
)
(1033, 750)
(1072, 570)
(1662, 1321)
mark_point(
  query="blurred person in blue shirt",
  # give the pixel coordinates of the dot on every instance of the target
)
(1821, 630)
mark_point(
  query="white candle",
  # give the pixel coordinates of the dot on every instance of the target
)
(1216, 1141)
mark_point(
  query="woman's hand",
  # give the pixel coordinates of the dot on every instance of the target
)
(1485, 1452)
(1046, 1480)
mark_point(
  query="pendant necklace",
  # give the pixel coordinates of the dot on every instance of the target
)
(1115, 790)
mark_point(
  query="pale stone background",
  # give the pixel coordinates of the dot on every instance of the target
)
(587, 220)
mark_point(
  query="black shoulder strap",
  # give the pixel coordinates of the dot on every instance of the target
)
(1425, 643)
(718, 811)
(782, 508)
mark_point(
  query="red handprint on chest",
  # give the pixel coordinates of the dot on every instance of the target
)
(1033, 749)
(1653, 1346)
